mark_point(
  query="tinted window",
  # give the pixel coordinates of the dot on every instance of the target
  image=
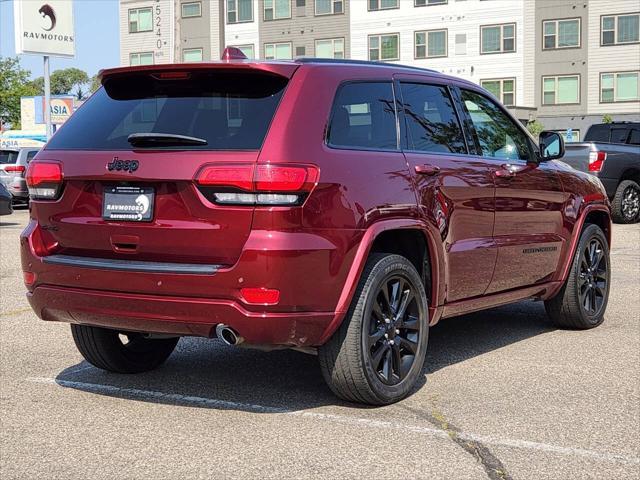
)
(230, 110)
(619, 135)
(634, 139)
(432, 124)
(597, 133)
(31, 154)
(497, 135)
(8, 156)
(364, 117)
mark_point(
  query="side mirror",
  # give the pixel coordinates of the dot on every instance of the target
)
(551, 146)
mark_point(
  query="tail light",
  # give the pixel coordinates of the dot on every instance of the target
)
(249, 184)
(596, 161)
(15, 168)
(44, 180)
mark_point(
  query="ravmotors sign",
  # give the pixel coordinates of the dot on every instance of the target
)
(45, 27)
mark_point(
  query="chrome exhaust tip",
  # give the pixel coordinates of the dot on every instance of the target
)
(228, 335)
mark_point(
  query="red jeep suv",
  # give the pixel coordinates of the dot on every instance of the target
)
(335, 207)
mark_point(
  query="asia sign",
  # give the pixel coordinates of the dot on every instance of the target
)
(45, 27)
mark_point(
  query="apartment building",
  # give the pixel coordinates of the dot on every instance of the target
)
(565, 62)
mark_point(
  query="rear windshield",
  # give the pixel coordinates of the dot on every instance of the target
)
(8, 156)
(230, 110)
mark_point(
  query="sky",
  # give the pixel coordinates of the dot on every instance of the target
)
(97, 37)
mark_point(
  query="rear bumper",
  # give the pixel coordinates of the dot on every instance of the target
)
(176, 315)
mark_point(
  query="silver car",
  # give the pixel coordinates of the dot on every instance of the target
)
(13, 166)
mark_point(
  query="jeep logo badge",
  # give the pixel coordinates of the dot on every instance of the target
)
(123, 165)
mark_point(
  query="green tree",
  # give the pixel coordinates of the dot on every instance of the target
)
(14, 83)
(66, 81)
(535, 127)
(95, 83)
(607, 118)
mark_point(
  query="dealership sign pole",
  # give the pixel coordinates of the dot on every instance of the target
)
(45, 28)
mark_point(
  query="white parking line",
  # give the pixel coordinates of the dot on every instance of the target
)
(366, 422)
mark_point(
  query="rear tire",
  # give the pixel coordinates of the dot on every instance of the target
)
(583, 299)
(625, 206)
(377, 354)
(105, 349)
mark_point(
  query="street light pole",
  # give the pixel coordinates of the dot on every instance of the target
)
(47, 97)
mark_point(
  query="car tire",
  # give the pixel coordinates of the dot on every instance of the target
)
(625, 206)
(377, 354)
(583, 298)
(106, 349)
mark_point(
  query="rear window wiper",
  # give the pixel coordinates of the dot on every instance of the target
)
(163, 139)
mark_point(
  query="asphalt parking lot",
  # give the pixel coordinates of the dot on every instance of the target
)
(505, 396)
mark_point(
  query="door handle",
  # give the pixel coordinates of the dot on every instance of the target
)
(508, 171)
(428, 170)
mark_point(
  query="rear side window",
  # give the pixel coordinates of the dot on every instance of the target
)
(31, 154)
(8, 156)
(231, 110)
(432, 124)
(598, 133)
(364, 117)
(619, 135)
(634, 138)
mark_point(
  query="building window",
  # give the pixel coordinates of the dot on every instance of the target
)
(561, 90)
(569, 135)
(277, 9)
(423, 3)
(330, 48)
(620, 29)
(191, 55)
(504, 89)
(498, 38)
(248, 50)
(140, 20)
(193, 9)
(329, 7)
(382, 4)
(278, 51)
(561, 33)
(239, 11)
(142, 58)
(431, 44)
(384, 47)
(619, 87)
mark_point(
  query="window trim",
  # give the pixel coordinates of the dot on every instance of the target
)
(333, 12)
(252, 45)
(427, 4)
(194, 49)
(274, 19)
(397, 34)
(557, 22)
(615, 74)
(142, 53)
(137, 21)
(501, 25)
(579, 102)
(398, 148)
(615, 30)
(381, 9)
(333, 39)
(226, 8)
(264, 48)
(502, 80)
(182, 5)
(426, 32)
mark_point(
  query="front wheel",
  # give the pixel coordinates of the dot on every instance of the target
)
(377, 354)
(582, 301)
(121, 352)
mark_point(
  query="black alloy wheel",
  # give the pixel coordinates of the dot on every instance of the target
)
(593, 277)
(394, 330)
(631, 202)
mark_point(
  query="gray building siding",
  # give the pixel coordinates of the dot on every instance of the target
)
(567, 61)
(195, 31)
(304, 28)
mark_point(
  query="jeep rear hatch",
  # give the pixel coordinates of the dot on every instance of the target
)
(140, 160)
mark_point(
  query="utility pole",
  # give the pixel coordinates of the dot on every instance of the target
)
(177, 40)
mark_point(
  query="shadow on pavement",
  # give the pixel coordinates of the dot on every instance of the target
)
(288, 381)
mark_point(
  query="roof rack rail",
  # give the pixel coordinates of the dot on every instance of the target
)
(359, 62)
